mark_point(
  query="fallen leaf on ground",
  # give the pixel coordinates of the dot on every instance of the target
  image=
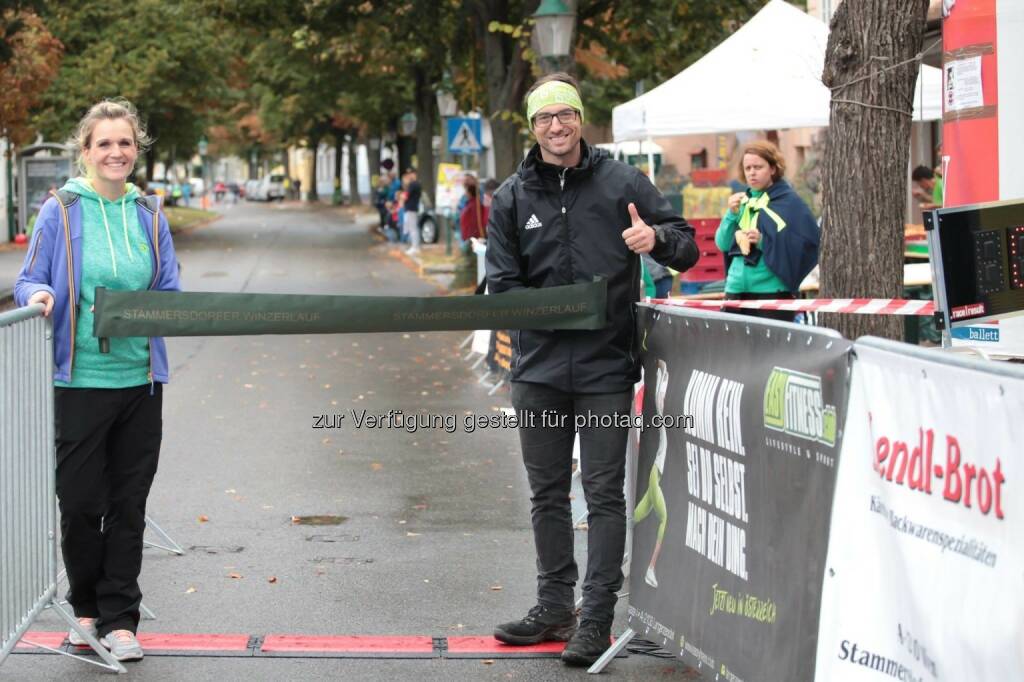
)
(413, 535)
(272, 579)
(376, 466)
(190, 590)
(203, 518)
(488, 661)
(235, 576)
(497, 588)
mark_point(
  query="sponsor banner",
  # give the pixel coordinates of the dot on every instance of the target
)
(735, 477)
(924, 578)
(1001, 338)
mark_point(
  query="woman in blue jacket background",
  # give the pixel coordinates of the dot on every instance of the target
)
(99, 231)
(769, 235)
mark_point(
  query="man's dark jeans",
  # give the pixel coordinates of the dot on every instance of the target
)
(547, 452)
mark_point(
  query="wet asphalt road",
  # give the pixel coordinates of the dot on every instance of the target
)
(432, 536)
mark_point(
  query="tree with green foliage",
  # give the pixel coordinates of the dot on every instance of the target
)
(14, 17)
(613, 45)
(168, 59)
(31, 59)
(611, 49)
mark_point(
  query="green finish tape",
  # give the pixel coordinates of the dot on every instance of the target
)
(171, 313)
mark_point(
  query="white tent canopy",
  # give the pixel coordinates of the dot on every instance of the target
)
(781, 49)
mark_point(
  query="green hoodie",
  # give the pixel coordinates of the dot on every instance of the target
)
(115, 254)
(743, 278)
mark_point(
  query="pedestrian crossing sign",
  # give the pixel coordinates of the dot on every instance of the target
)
(464, 135)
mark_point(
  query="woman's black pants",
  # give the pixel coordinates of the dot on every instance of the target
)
(108, 446)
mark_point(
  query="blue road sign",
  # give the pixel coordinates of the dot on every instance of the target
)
(464, 135)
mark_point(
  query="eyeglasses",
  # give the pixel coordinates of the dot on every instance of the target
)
(565, 117)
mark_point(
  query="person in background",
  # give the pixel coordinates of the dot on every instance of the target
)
(490, 187)
(927, 188)
(380, 201)
(473, 217)
(107, 406)
(660, 275)
(569, 214)
(467, 179)
(411, 206)
(769, 235)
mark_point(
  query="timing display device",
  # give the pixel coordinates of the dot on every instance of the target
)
(977, 261)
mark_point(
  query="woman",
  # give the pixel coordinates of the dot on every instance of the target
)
(102, 231)
(473, 217)
(769, 236)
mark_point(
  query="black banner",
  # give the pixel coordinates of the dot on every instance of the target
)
(167, 313)
(736, 473)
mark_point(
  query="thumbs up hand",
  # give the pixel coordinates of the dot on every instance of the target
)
(639, 236)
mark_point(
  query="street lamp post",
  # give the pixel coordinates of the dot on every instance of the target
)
(554, 23)
(206, 179)
(447, 106)
(12, 226)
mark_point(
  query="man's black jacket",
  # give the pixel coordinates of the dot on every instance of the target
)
(551, 226)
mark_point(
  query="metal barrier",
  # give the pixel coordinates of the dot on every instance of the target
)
(28, 517)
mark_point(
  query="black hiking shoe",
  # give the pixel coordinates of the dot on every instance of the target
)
(541, 624)
(590, 641)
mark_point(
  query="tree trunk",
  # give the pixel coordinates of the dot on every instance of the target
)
(353, 169)
(425, 108)
(506, 74)
(508, 147)
(339, 144)
(253, 165)
(373, 156)
(406, 148)
(150, 163)
(865, 176)
(311, 193)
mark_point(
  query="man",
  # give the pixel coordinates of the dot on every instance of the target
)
(571, 213)
(410, 223)
(927, 188)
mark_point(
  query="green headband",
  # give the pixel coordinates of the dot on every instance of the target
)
(553, 92)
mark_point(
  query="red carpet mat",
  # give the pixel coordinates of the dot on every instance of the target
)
(308, 646)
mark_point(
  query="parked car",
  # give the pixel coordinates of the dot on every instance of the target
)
(427, 221)
(271, 188)
(252, 189)
(429, 231)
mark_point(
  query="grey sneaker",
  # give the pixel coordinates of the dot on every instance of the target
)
(122, 645)
(89, 625)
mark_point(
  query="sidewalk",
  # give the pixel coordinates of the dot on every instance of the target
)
(11, 258)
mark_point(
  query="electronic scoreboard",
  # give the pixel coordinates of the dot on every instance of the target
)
(977, 255)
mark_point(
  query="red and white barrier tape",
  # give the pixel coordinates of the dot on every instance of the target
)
(861, 306)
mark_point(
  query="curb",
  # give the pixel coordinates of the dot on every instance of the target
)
(195, 226)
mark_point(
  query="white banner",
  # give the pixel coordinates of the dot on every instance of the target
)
(925, 572)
